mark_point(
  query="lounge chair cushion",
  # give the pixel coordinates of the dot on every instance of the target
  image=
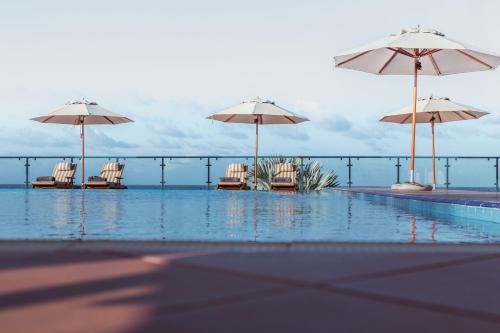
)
(237, 170)
(229, 179)
(45, 179)
(112, 167)
(96, 179)
(112, 172)
(282, 180)
(64, 172)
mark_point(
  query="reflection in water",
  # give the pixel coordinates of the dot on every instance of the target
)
(83, 214)
(349, 212)
(255, 214)
(289, 211)
(207, 213)
(413, 226)
(111, 211)
(216, 215)
(62, 207)
(433, 231)
(162, 215)
(234, 210)
(26, 207)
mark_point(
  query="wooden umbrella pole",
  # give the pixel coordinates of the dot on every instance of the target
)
(256, 152)
(433, 158)
(414, 123)
(83, 152)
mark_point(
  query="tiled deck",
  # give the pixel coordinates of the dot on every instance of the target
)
(469, 198)
(237, 287)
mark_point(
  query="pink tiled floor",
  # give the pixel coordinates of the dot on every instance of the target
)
(241, 287)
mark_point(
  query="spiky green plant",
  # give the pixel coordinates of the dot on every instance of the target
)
(314, 178)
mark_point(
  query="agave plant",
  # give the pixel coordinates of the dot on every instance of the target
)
(314, 178)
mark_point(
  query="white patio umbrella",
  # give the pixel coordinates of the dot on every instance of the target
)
(417, 51)
(258, 112)
(82, 113)
(434, 110)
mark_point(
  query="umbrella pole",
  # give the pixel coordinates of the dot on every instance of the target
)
(414, 123)
(83, 153)
(433, 159)
(256, 153)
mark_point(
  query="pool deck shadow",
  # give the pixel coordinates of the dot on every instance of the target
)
(127, 286)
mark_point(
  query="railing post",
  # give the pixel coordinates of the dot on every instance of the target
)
(208, 173)
(447, 165)
(27, 167)
(496, 173)
(162, 173)
(398, 171)
(349, 165)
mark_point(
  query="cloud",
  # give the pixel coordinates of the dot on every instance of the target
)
(98, 139)
(174, 131)
(337, 124)
(29, 140)
(233, 133)
(289, 132)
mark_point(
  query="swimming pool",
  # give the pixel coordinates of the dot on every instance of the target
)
(206, 215)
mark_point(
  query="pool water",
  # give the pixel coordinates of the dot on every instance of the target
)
(203, 215)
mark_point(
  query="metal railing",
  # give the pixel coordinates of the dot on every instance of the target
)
(351, 164)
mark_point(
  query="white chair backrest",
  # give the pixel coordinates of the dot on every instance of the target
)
(286, 170)
(237, 170)
(64, 171)
(112, 172)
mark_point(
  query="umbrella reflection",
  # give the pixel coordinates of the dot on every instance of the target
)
(82, 215)
(433, 231)
(413, 227)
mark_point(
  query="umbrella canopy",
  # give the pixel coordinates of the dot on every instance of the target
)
(262, 111)
(435, 110)
(82, 113)
(78, 112)
(436, 54)
(258, 112)
(417, 51)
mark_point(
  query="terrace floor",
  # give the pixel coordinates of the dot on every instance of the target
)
(114, 286)
(474, 198)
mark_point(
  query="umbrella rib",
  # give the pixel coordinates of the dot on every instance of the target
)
(408, 117)
(475, 59)
(429, 52)
(387, 62)
(439, 116)
(291, 120)
(470, 114)
(47, 119)
(434, 64)
(402, 51)
(105, 117)
(230, 117)
(458, 114)
(353, 58)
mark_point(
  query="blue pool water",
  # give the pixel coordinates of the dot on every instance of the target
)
(232, 216)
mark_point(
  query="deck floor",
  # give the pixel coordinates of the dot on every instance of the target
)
(96, 286)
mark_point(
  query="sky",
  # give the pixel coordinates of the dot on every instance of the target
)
(169, 64)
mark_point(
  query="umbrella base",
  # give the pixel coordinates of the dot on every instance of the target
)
(408, 186)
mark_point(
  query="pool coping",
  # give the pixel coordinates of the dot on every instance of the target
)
(422, 197)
